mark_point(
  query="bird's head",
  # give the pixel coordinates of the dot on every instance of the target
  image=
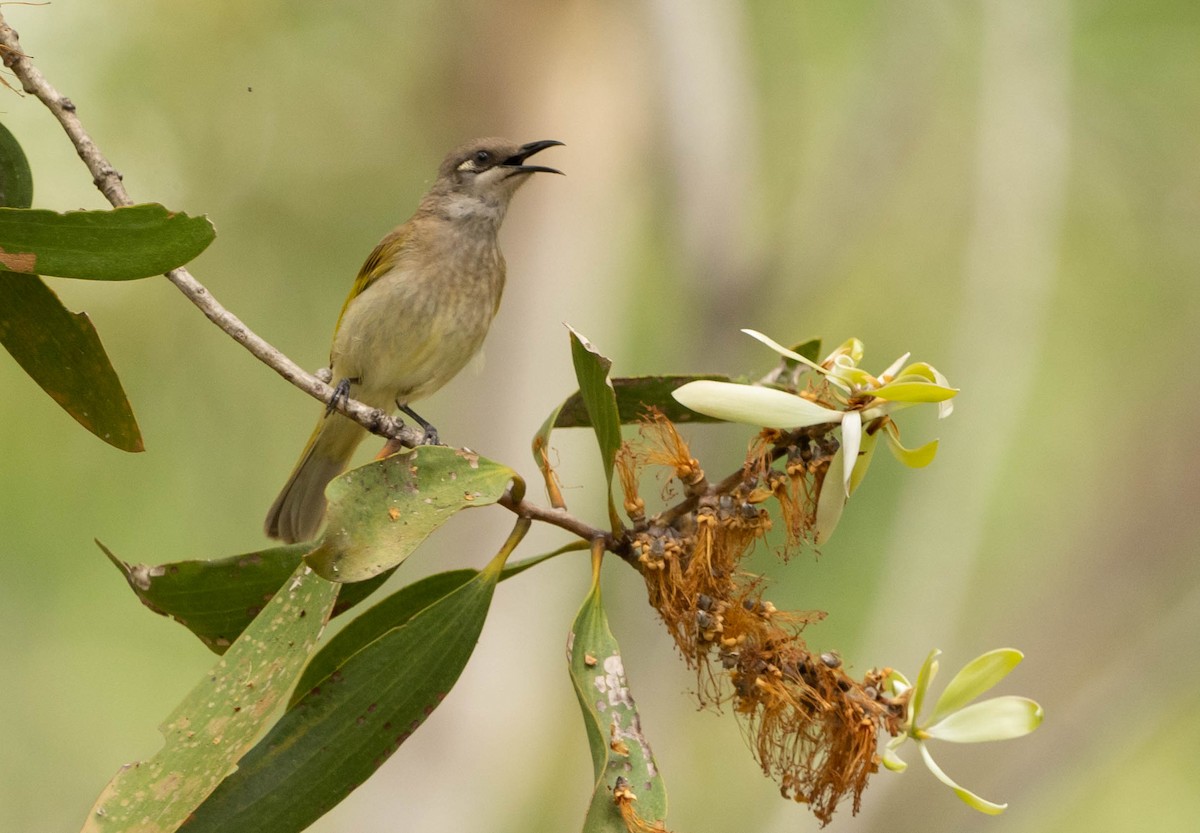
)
(480, 177)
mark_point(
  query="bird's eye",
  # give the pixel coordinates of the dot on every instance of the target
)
(478, 161)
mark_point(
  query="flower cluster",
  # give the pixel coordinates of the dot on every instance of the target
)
(813, 727)
(835, 393)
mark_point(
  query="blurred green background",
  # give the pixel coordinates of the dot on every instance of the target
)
(1010, 189)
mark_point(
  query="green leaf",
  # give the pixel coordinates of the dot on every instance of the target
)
(591, 370)
(754, 405)
(61, 351)
(614, 731)
(16, 180)
(1001, 718)
(340, 732)
(139, 241)
(217, 599)
(397, 609)
(976, 677)
(219, 720)
(370, 625)
(379, 513)
(968, 797)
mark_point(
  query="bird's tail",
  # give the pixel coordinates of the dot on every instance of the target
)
(297, 513)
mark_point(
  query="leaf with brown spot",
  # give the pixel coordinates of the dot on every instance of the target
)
(614, 730)
(425, 486)
(217, 599)
(222, 715)
(340, 731)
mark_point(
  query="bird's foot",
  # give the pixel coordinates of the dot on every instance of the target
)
(431, 433)
(341, 391)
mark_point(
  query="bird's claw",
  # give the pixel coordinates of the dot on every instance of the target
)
(342, 392)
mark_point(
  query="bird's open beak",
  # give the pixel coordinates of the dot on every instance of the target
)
(517, 160)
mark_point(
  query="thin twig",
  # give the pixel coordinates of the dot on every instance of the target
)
(558, 517)
(108, 180)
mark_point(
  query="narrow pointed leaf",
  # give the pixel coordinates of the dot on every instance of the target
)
(217, 599)
(138, 241)
(754, 405)
(591, 371)
(219, 720)
(1000, 718)
(341, 731)
(397, 609)
(976, 677)
(379, 513)
(968, 797)
(61, 351)
(614, 731)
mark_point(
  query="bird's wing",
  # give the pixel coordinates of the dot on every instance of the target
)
(378, 263)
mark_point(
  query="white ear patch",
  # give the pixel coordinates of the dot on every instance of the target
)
(467, 165)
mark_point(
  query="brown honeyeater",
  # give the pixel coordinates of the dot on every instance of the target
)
(417, 313)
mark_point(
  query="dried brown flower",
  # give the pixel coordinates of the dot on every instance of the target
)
(811, 726)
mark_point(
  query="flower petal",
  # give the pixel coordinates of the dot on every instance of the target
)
(914, 458)
(851, 442)
(1000, 718)
(980, 804)
(830, 502)
(891, 760)
(866, 452)
(781, 350)
(914, 390)
(976, 677)
(925, 676)
(894, 367)
(753, 405)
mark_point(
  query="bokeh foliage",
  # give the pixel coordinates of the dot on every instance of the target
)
(851, 173)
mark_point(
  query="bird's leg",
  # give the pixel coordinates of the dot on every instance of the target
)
(431, 433)
(341, 391)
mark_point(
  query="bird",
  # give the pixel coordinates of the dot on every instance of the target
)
(418, 312)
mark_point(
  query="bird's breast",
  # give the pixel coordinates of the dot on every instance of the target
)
(420, 323)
